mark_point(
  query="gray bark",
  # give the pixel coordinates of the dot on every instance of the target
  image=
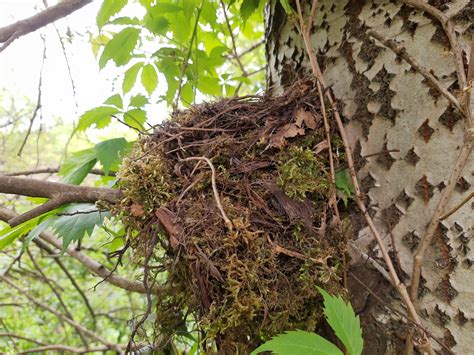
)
(388, 105)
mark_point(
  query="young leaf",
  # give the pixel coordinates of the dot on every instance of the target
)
(299, 342)
(99, 116)
(108, 9)
(114, 100)
(110, 152)
(149, 78)
(77, 166)
(138, 101)
(130, 77)
(78, 220)
(344, 322)
(120, 47)
(135, 118)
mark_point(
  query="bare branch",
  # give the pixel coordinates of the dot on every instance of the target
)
(10, 33)
(94, 266)
(58, 193)
(53, 171)
(401, 51)
(61, 316)
(16, 336)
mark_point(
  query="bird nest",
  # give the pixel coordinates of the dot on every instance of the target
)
(227, 206)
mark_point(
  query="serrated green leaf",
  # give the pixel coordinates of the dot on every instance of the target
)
(110, 153)
(125, 21)
(130, 77)
(115, 100)
(149, 78)
(135, 118)
(108, 9)
(138, 101)
(77, 166)
(120, 47)
(99, 116)
(78, 220)
(247, 8)
(299, 342)
(9, 234)
(344, 322)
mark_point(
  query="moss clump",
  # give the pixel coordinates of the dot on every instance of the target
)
(242, 284)
(300, 173)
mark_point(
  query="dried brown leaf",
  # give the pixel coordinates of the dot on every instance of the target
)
(307, 118)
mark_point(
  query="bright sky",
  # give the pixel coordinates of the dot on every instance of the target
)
(20, 63)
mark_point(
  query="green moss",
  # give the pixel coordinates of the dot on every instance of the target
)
(301, 173)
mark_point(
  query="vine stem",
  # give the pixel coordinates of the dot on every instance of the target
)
(401, 288)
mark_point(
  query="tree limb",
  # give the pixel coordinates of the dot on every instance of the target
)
(53, 171)
(58, 193)
(10, 33)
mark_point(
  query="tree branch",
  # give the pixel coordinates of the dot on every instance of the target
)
(53, 171)
(61, 316)
(58, 193)
(10, 33)
(94, 266)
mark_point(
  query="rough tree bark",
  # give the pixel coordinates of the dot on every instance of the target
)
(389, 106)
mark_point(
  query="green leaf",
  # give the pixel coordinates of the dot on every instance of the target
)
(156, 24)
(138, 101)
(286, 6)
(344, 322)
(99, 116)
(110, 153)
(135, 118)
(247, 8)
(209, 86)
(299, 342)
(344, 186)
(78, 220)
(108, 9)
(115, 100)
(9, 234)
(130, 77)
(76, 167)
(120, 47)
(149, 78)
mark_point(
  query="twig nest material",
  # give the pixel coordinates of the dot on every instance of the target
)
(237, 192)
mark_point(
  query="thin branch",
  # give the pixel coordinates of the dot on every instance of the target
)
(42, 245)
(16, 336)
(10, 33)
(234, 46)
(458, 206)
(401, 51)
(91, 264)
(61, 316)
(38, 99)
(188, 56)
(453, 41)
(214, 189)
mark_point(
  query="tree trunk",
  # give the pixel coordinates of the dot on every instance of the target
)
(391, 109)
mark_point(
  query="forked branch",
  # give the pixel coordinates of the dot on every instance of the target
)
(59, 194)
